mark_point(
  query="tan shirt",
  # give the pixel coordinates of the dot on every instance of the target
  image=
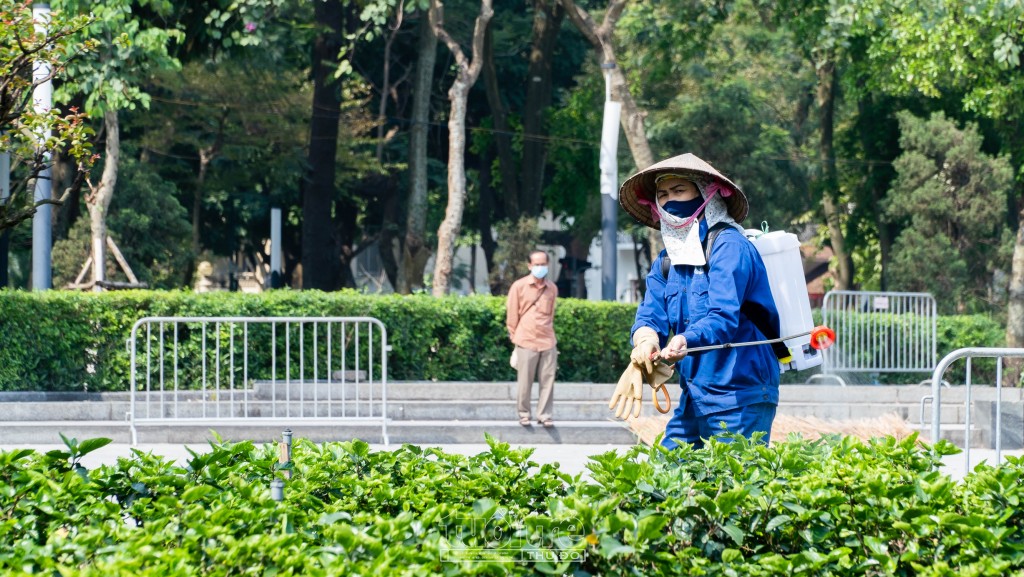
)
(532, 327)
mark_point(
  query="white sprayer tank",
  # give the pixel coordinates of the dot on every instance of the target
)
(780, 252)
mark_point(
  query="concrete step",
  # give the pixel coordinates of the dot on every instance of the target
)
(264, 431)
(425, 390)
(421, 410)
(898, 394)
(92, 410)
(458, 390)
(956, 434)
(952, 413)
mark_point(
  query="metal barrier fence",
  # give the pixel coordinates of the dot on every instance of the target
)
(936, 397)
(879, 332)
(232, 369)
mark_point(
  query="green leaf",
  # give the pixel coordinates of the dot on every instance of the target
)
(777, 522)
(650, 528)
(731, 556)
(876, 545)
(734, 532)
(89, 445)
(612, 547)
(196, 493)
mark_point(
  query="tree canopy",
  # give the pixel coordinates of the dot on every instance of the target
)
(842, 119)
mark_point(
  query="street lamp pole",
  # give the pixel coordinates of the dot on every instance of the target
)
(42, 243)
(609, 187)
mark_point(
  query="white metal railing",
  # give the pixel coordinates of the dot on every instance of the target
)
(936, 397)
(879, 332)
(231, 369)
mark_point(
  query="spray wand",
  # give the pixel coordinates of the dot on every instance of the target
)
(822, 338)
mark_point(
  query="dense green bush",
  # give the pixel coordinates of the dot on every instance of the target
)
(835, 507)
(59, 340)
(952, 333)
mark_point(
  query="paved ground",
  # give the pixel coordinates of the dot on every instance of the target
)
(572, 458)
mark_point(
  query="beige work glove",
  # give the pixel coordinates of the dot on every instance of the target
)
(629, 391)
(645, 344)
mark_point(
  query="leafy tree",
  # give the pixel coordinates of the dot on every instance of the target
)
(518, 240)
(974, 48)
(112, 81)
(952, 198)
(602, 38)
(25, 44)
(151, 229)
(415, 247)
(821, 31)
(733, 108)
(231, 138)
(321, 266)
(467, 71)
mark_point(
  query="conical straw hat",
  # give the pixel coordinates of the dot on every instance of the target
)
(641, 186)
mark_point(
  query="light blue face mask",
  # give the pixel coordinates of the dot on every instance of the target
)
(539, 271)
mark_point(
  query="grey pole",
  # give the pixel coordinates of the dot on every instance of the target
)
(5, 193)
(275, 248)
(609, 188)
(277, 490)
(42, 242)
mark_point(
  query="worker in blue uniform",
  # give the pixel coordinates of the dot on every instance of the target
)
(704, 298)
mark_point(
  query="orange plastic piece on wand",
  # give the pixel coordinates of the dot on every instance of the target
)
(822, 337)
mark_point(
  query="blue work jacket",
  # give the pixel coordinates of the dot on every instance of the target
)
(705, 308)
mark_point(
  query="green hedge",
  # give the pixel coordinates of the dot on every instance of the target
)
(71, 341)
(832, 507)
(952, 332)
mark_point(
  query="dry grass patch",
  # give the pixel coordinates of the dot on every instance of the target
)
(648, 428)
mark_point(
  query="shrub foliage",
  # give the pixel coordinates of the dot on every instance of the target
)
(73, 341)
(835, 506)
(62, 341)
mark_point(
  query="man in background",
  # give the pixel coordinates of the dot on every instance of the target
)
(530, 319)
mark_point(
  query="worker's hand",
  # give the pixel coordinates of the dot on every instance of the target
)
(675, 350)
(628, 393)
(662, 373)
(645, 345)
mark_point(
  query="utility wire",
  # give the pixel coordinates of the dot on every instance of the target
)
(575, 142)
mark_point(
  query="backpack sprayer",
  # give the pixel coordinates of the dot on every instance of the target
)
(780, 252)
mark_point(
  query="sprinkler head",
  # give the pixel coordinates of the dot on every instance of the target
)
(822, 337)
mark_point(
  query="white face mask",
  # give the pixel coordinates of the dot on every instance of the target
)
(681, 242)
(539, 270)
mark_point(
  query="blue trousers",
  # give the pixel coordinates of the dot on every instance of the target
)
(686, 426)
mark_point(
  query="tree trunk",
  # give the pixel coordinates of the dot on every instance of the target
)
(345, 239)
(320, 258)
(502, 132)
(601, 38)
(99, 201)
(385, 88)
(547, 20)
(415, 251)
(830, 183)
(1015, 307)
(458, 94)
(389, 233)
(206, 157)
(485, 213)
(868, 108)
